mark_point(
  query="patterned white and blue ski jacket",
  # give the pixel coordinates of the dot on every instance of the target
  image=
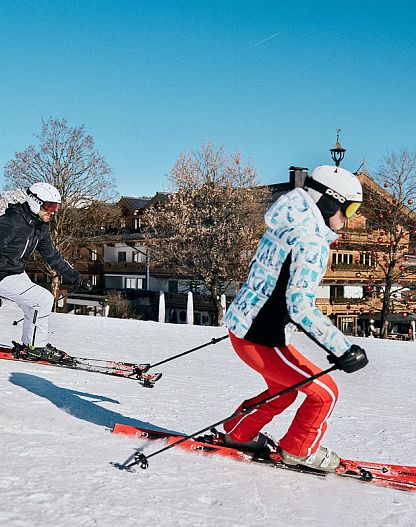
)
(290, 262)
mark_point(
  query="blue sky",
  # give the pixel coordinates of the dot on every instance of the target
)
(152, 79)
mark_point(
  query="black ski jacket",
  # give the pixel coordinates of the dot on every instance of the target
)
(21, 232)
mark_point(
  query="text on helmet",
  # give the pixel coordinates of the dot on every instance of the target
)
(335, 195)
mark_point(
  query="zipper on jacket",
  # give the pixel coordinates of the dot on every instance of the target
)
(24, 250)
(27, 243)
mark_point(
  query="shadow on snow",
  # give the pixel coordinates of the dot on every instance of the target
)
(82, 405)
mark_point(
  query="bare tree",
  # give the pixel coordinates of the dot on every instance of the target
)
(10, 197)
(66, 158)
(209, 226)
(391, 221)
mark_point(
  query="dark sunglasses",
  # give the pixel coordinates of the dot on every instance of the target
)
(50, 206)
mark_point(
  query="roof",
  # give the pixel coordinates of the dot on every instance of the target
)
(159, 197)
(135, 202)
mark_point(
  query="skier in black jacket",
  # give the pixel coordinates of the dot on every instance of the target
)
(24, 228)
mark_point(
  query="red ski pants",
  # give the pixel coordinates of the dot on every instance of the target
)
(282, 367)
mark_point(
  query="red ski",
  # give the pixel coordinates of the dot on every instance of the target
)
(397, 476)
(115, 368)
(382, 474)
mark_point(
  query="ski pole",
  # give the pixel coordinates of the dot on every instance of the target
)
(15, 322)
(212, 341)
(142, 460)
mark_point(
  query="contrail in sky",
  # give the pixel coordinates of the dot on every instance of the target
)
(264, 40)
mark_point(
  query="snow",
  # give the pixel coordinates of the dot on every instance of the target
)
(57, 449)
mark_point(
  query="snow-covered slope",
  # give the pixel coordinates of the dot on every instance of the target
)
(56, 447)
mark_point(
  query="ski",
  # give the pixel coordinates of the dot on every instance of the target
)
(205, 445)
(402, 477)
(127, 370)
(386, 475)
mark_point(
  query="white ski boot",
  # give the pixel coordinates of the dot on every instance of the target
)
(323, 459)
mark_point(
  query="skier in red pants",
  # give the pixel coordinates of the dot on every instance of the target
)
(278, 295)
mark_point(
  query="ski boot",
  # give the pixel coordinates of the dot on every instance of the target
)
(323, 459)
(260, 446)
(48, 353)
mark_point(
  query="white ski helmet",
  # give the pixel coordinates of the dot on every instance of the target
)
(43, 195)
(332, 188)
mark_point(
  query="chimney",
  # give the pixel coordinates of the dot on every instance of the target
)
(297, 176)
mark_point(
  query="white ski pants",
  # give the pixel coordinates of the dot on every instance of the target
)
(36, 303)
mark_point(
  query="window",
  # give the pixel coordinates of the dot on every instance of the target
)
(131, 283)
(353, 291)
(347, 325)
(341, 258)
(137, 257)
(94, 254)
(367, 259)
(336, 291)
(122, 256)
(94, 279)
(136, 224)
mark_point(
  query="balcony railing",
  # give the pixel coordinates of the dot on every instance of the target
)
(342, 266)
(126, 267)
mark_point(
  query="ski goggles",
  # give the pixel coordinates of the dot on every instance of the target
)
(349, 208)
(50, 206)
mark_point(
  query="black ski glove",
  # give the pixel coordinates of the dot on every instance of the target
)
(352, 360)
(84, 285)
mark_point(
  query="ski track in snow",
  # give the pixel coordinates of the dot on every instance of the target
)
(57, 449)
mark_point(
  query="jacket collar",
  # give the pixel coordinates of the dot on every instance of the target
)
(24, 210)
(329, 234)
